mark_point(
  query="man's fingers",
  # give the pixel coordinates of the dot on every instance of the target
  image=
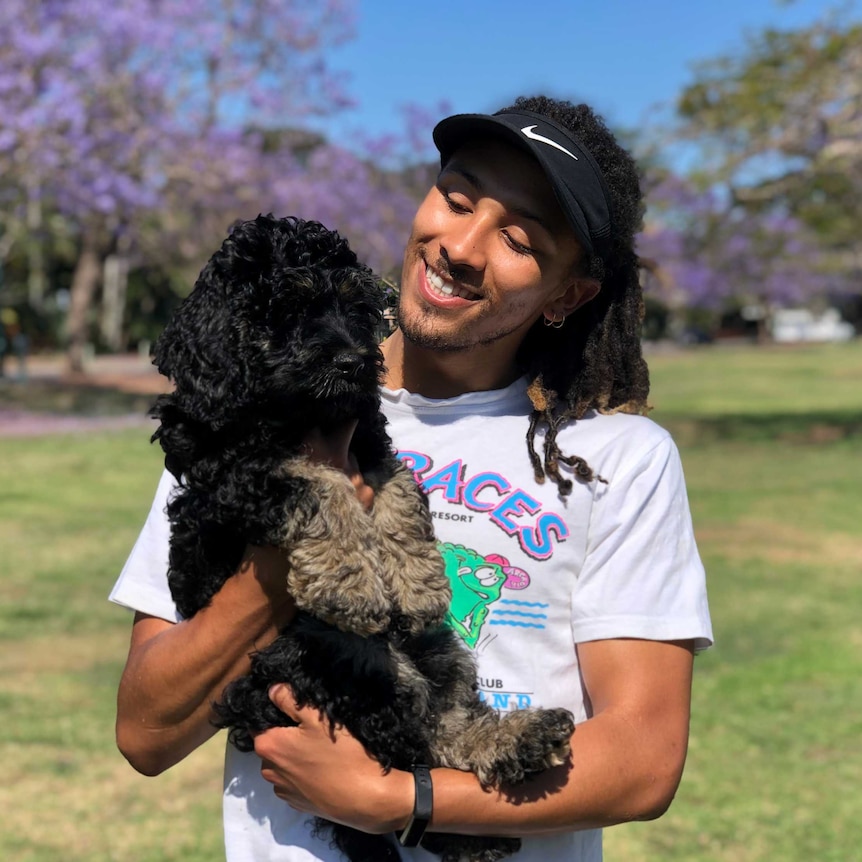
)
(282, 696)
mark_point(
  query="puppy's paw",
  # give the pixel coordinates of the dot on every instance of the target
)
(423, 597)
(358, 619)
(411, 563)
(543, 741)
(555, 730)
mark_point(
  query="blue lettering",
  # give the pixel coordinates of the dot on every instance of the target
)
(478, 483)
(415, 461)
(515, 504)
(448, 480)
(500, 701)
(537, 541)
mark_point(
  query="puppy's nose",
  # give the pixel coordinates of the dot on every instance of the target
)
(348, 363)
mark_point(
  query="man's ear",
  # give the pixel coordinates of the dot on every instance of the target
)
(576, 293)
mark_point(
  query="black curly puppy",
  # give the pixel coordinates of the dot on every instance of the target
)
(279, 337)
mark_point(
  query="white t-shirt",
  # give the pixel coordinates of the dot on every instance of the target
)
(533, 574)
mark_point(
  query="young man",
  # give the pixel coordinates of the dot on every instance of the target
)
(575, 576)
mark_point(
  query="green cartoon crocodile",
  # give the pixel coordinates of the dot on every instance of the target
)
(477, 583)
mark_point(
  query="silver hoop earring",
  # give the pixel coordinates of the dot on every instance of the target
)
(554, 323)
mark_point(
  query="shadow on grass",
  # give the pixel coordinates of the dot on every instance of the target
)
(86, 399)
(827, 426)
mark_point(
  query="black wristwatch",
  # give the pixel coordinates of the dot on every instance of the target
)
(423, 805)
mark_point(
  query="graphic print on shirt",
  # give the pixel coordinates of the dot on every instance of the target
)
(481, 581)
(489, 494)
(477, 583)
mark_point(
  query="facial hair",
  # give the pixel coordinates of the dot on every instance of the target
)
(421, 328)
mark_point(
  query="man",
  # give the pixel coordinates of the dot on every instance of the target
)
(519, 314)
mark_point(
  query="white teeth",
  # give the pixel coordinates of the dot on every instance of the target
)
(445, 288)
(437, 283)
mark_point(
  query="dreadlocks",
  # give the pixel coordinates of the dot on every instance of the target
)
(593, 361)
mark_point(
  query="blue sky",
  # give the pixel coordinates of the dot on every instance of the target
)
(627, 58)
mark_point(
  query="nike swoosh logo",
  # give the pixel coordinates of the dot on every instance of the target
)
(528, 131)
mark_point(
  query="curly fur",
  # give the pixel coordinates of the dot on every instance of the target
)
(279, 337)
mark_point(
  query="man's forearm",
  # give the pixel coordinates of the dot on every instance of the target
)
(175, 672)
(626, 761)
(612, 777)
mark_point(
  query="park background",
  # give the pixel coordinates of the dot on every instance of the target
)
(133, 133)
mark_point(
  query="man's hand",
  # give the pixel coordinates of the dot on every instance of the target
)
(175, 671)
(300, 762)
(626, 760)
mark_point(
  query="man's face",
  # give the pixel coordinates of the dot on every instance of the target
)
(490, 252)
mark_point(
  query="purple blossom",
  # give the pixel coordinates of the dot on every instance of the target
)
(101, 98)
(712, 254)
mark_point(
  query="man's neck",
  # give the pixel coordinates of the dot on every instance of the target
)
(442, 374)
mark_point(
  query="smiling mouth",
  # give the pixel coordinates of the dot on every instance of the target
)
(445, 288)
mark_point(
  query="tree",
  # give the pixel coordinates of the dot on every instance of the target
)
(703, 251)
(108, 109)
(770, 216)
(780, 124)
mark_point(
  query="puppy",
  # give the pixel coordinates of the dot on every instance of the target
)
(279, 337)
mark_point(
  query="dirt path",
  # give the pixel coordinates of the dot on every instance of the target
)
(113, 394)
(31, 424)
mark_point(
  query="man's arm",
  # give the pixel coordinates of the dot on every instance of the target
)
(626, 760)
(175, 671)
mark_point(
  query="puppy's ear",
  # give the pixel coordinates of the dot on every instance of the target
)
(201, 350)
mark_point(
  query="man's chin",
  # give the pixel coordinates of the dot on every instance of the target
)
(427, 337)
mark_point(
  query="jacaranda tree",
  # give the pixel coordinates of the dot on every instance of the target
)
(706, 252)
(148, 126)
(778, 128)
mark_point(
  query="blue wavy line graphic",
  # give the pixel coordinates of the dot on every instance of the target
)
(514, 623)
(521, 614)
(524, 604)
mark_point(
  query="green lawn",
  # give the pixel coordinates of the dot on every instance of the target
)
(772, 447)
(70, 508)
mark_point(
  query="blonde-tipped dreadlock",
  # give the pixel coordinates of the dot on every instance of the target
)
(594, 361)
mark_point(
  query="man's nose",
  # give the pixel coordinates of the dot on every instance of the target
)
(465, 244)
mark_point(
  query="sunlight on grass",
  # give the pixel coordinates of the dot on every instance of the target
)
(773, 457)
(70, 510)
(721, 380)
(774, 765)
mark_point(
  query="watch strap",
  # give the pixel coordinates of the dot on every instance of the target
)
(423, 806)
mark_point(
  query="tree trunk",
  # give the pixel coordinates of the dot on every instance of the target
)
(36, 278)
(84, 283)
(115, 279)
(764, 324)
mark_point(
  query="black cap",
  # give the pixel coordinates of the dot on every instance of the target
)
(573, 173)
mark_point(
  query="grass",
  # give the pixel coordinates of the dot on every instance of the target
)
(772, 447)
(801, 394)
(773, 456)
(70, 508)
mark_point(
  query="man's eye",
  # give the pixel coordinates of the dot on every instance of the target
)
(454, 205)
(516, 246)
